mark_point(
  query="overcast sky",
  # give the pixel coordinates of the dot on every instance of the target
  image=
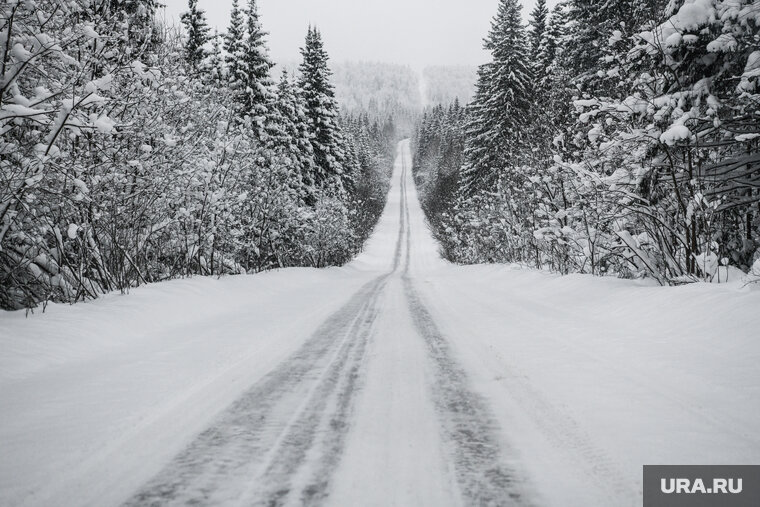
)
(415, 32)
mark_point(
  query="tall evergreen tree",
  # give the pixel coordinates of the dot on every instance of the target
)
(214, 64)
(501, 103)
(233, 41)
(538, 20)
(253, 67)
(137, 18)
(551, 41)
(197, 30)
(551, 88)
(322, 113)
(291, 130)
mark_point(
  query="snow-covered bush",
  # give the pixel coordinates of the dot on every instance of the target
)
(127, 156)
(636, 153)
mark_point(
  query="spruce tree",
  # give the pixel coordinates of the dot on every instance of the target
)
(197, 30)
(551, 94)
(214, 64)
(253, 66)
(501, 104)
(591, 25)
(322, 113)
(552, 38)
(291, 132)
(233, 41)
(553, 89)
(538, 20)
(136, 19)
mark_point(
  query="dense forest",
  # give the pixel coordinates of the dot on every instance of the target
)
(619, 137)
(609, 138)
(134, 153)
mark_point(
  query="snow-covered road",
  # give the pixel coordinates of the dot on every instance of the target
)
(396, 380)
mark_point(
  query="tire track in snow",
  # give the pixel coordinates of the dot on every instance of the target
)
(256, 451)
(263, 436)
(560, 428)
(470, 429)
(325, 414)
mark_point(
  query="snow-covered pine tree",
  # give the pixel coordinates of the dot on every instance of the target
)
(438, 147)
(552, 38)
(598, 34)
(214, 64)
(682, 138)
(254, 83)
(124, 165)
(538, 25)
(196, 28)
(322, 112)
(640, 152)
(372, 150)
(233, 42)
(540, 62)
(292, 135)
(501, 103)
(551, 87)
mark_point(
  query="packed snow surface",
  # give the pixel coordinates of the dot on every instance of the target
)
(399, 379)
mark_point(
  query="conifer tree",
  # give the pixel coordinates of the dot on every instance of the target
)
(292, 135)
(551, 89)
(595, 31)
(138, 25)
(151, 173)
(556, 28)
(253, 67)
(197, 30)
(322, 113)
(233, 41)
(538, 21)
(636, 156)
(501, 103)
(214, 64)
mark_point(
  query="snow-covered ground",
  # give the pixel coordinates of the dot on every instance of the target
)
(397, 380)
(590, 379)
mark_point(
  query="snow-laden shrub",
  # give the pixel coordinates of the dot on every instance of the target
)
(123, 163)
(638, 155)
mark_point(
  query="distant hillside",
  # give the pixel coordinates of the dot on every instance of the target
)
(377, 88)
(443, 84)
(385, 89)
